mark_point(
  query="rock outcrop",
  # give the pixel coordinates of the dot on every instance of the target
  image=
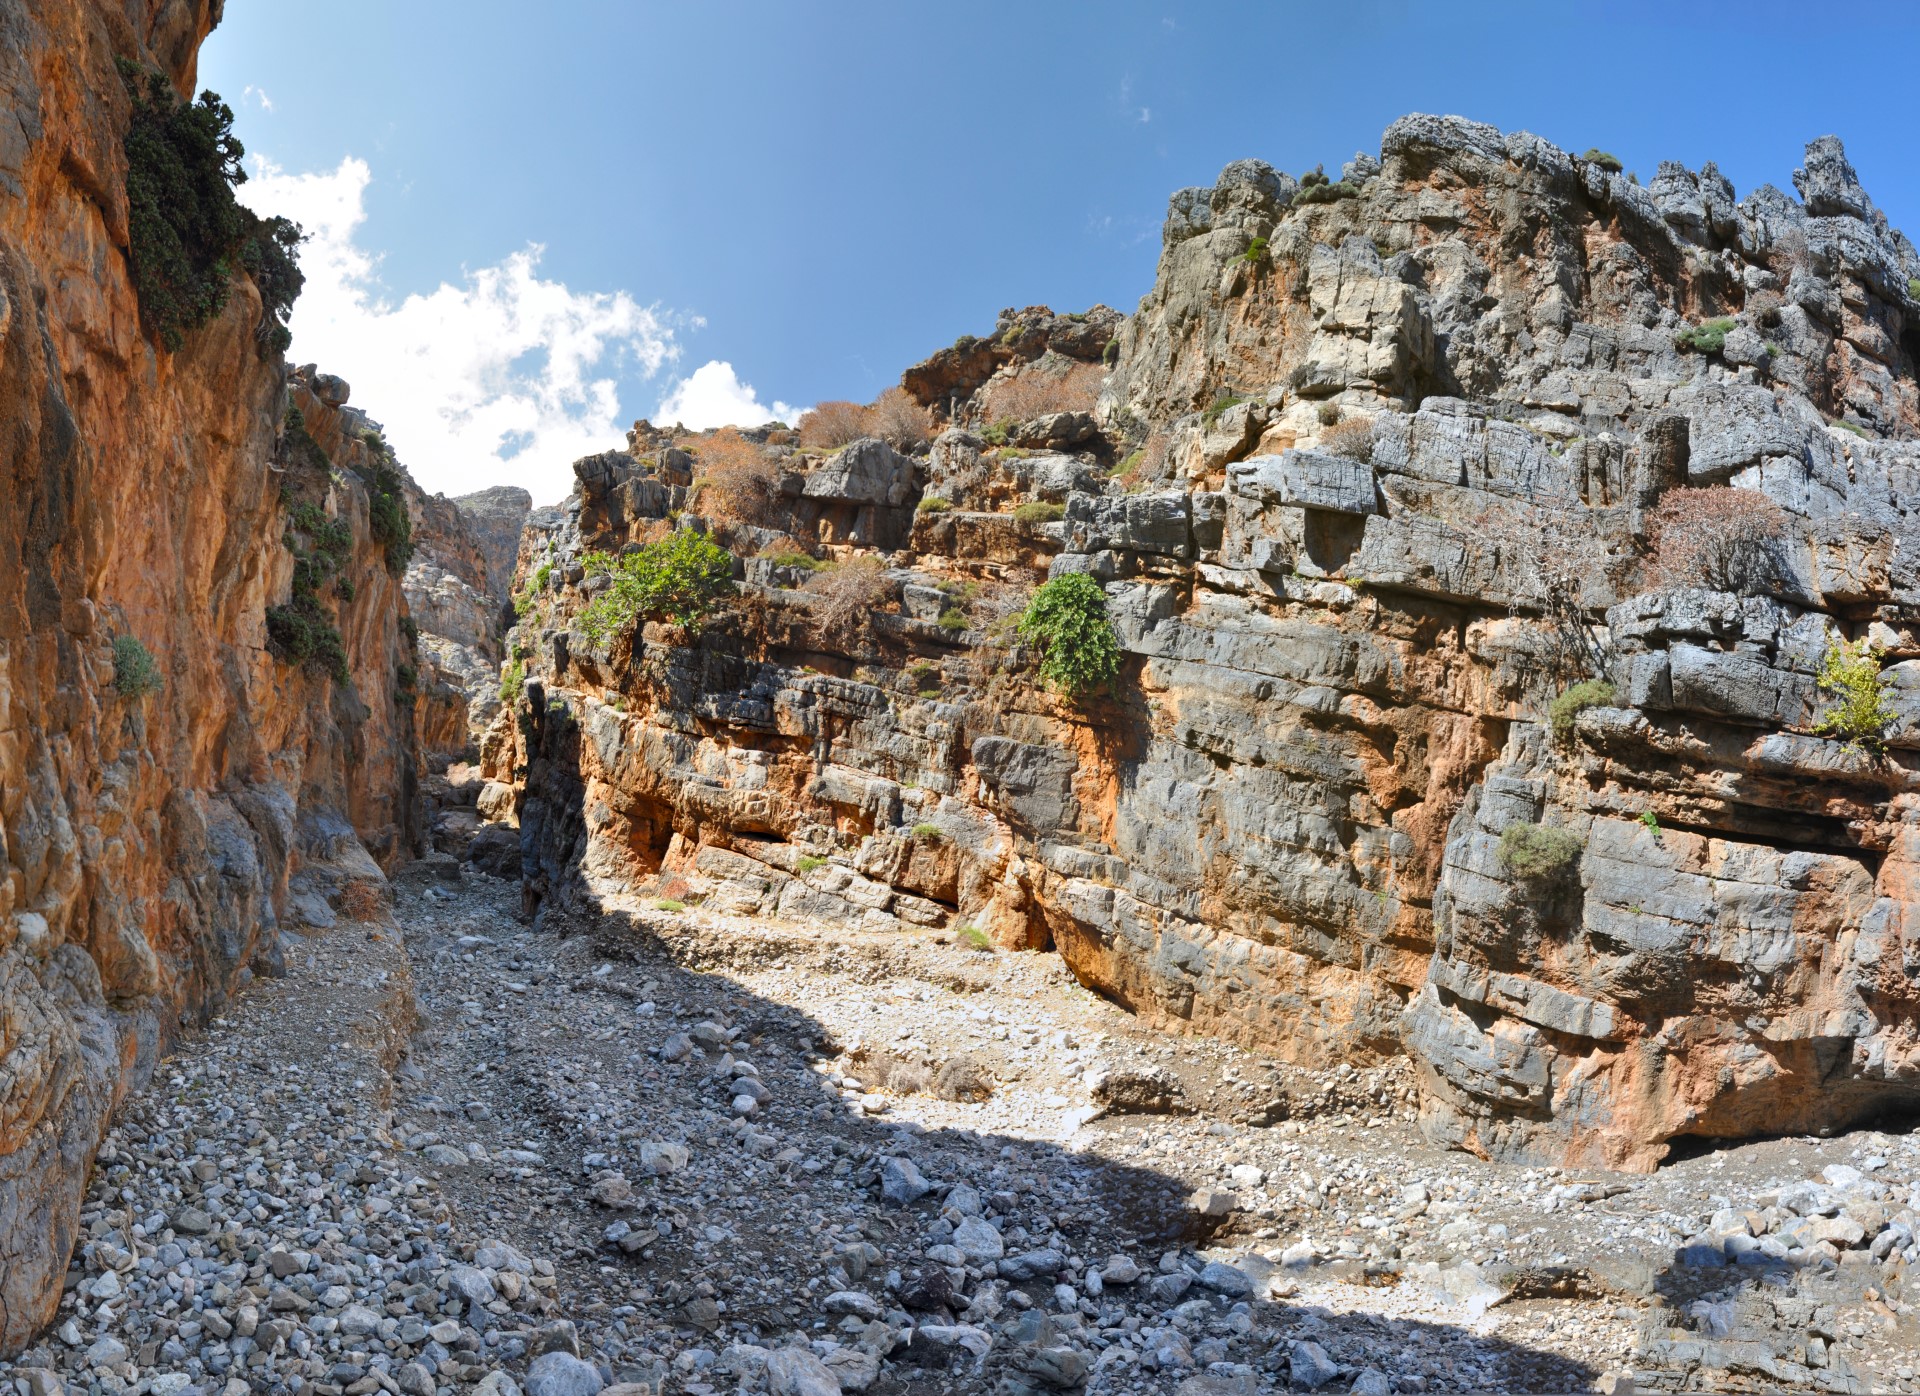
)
(1378, 474)
(175, 796)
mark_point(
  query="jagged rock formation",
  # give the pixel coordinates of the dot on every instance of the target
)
(1375, 480)
(154, 843)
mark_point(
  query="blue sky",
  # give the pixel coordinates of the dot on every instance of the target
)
(819, 195)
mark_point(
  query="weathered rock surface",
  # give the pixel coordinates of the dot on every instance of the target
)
(155, 848)
(1391, 496)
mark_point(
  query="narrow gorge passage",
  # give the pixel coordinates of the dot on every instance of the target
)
(451, 1152)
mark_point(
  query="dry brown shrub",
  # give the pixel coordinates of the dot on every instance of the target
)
(1351, 437)
(737, 479)
(898, 420)
(1040, 389)
(1719, 537)
(1554, 559)
(827, 426)
(846, 593)
(963, 1078)
(362, 900)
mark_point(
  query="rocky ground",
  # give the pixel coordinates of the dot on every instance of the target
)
(451, 1153)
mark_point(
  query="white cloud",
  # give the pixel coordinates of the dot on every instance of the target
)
(506, 378)
(713, 396)
(259, 95)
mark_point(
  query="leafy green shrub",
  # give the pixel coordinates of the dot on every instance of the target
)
(513, 681)
(387, 517)
(930, 832)
(1593, 693)
(1039, 511)
(680, 579)
(1858, 712)
(1220, 404)
(1256, 252)
(1067, 619)
(1650, 822)
(1708, 337)
(542, 575)
(934, 504)
(1608, 162)
(809, 862)
(1538, 852)
(410, 632)
(1111, 354)
(187, 234)
(297, 446)
(135, 675)
(953, 620)
(303, 634)
(996, 435)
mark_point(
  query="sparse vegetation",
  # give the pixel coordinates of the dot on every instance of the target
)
(387, 517)
(1854, 428)
(1708, 337)
(135, 675)
(1256, 252)
(1650, 822)
(929, 832)
(934, 504)
(1605, 160)
(969, 934)
(1538, 852)
(1316, 188)
(513, 681)
(1719, 537)
(1221, 402)
(301, 633)
(668, 904)
(953, 620)
(736, 478)
(808, 862)
(679, 579)
(1561, 712)
(187, 234)
(1047, 385)
(1327, 414)
(786, 555)
(1858, 712)
(895, 417)
(831, 425)
(1351, 438)
(1039, 511)
(847, 593)
(1067, 620)
(1913, 287)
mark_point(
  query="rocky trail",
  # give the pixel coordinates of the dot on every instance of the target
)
(450, 1152)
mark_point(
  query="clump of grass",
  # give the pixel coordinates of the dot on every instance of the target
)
(1538, 852)
(934, 504)
(1039, 511)
(1707, 337)
(668, 904)
(809, 862)
(135, 675)
(996, 435)
(1256, 252)
(953, 620)
(971, 935)
(1604, 159)
(791, 557)
(1913, 287)
(1327, 414)
(513, 682)
(1853, 427)
(1220, 404)
(1561, 712)
(930, 832)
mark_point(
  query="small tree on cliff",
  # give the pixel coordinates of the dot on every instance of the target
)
(678, 579)
(1067, 620)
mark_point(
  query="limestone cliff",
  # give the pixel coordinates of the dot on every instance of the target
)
(174, 792)
(1382, 468)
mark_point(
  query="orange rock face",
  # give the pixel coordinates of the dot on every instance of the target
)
(154, 847)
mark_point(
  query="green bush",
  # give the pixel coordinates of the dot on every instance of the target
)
(301, 633)
(542, 575)
(387, 517)
(934, 504)
(513, 681)
(1708, 337)
(953, 620)
(187, 234)
(679, 579)
(1608, 162)
(1067, 619)
(1913, 287)
(1538, 852)
(1324, 193)
(809, 862)
(1256, 252)
(1593, 693)
(792, 557)
(1858, 712)
(1110, 355)
(1220, 404)
(134, 673)
(297, 446)
(930, 832)
(997, 434)
(1039, 511)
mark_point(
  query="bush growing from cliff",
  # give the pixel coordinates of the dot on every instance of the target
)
(680, 579)
(135, 675)
(1707, 337)
(1561, 712)
(846, 594)
(387, 516)
(1067, 620)
(187, 234)
(934, 504)
(1538, 852)
(1049, 384)
(1039, 511)
(513, 682)
(303, 634)
(736, 478)
(1606, 161)
(1351, 438)
(1221, 402)
(831, 425)
(1858, 712)
(1719, 537)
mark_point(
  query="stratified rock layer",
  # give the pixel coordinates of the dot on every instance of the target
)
(153, 847)
(1374, 487)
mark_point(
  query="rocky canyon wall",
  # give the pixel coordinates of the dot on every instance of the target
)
(1377, 472)
(175, 792)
